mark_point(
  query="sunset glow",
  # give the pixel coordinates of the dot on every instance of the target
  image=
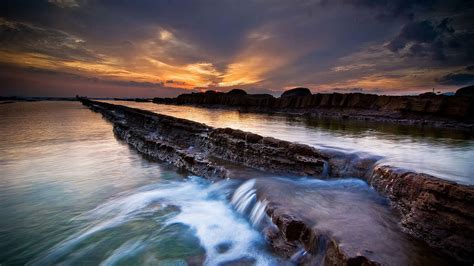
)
(168, 48)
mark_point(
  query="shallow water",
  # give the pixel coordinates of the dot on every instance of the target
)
(70, 194)
(444, 153)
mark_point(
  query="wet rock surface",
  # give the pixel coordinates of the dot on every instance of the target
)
(337, 222)
(191, 145)
(436, 211)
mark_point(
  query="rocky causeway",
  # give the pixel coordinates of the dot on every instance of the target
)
(436, 212)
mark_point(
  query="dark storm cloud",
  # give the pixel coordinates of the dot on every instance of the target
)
(457, 79)
(25, 37)
(417, 32)
(216, 26)
(66, 3)
(439, 41)
(386, 9)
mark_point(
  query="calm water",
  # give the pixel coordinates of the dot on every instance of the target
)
(72, 194)
(444, 153)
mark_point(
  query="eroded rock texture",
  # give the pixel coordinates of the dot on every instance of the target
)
(292, 236)
(436, 211)
(192, 145)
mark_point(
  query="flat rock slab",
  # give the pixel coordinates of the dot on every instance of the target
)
(344, 215)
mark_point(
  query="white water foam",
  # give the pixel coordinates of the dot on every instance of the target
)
(203, 207)
(245, 201)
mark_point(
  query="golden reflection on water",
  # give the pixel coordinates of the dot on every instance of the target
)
(444, 153)
(58, 160)
(64, 146)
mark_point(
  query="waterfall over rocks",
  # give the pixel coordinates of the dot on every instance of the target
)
(246, 203)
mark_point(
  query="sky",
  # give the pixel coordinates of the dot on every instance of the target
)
(162, 48)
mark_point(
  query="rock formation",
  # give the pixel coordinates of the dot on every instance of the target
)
(436, 110)
(466, 91)
(237, 92)
(296, 92)
(191, 145)
(436, 211)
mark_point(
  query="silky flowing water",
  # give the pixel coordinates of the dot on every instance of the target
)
(444, 153)
(72, 194)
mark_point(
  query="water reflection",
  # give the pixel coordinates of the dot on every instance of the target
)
(59, 161)
(445, 153)
(70, 193)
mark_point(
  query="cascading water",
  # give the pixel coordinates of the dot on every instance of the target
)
(196, 206)
(258, 214)
(246, 203)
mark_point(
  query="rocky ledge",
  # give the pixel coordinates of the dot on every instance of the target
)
(438, 211)
(187, 144)
(433, 210)
(427, 109)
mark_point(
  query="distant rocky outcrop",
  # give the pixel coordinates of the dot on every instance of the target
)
(225, 99)
(437, 211)
(427, 109)
(164, 100)
(236, 92)
(427, 94)
(466, 91)
(296, 92)
(140, 100)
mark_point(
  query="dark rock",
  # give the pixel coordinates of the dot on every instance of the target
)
(255, 151)
(466, 91)
(223, 247)
(212, 92)
(295, 234)
(296, 92)
(164, 100)
(226, 99)
(237, 92)
(427, 94)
